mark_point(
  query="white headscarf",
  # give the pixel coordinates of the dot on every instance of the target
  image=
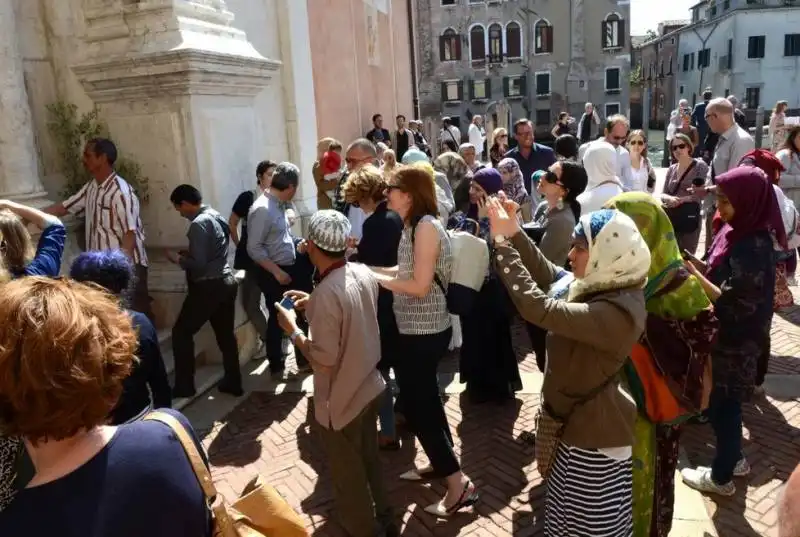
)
(618, 254)
(600, 162)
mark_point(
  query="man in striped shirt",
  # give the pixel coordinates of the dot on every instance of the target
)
(111, 209)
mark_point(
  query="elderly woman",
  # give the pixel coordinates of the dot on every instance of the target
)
(600, 162)
(488, 363)
(739, 278)
(593, 316)
(147, 386)
(513, 182)
(17, 255)
(681, 327)
(459, 178)
(89, 477)
(469, 153)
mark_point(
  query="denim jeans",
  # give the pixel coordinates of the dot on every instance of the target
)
(725, 416)
(386, 409)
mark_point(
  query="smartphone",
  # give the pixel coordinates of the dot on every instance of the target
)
(287, 303)
(689, 256)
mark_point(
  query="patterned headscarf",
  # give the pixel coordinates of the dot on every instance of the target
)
(618, 255)
(453, 166)
(515, 186)
(688, 299)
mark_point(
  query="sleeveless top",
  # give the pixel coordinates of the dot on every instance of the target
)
(429, 314)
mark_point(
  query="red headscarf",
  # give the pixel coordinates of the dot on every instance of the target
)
(755, 209)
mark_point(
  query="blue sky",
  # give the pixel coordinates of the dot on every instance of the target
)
(646, 14)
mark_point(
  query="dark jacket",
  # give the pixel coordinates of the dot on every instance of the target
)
(541, 158)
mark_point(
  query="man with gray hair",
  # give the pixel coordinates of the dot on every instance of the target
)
(589, 124)
(272, 249)
(738, 115)
(360, 153)
(477, 135)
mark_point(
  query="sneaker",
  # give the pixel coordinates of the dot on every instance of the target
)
(742, 468)
(700, 479)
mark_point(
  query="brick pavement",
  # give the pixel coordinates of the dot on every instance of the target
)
(268, 433)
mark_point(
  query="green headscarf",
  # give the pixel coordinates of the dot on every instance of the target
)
(689, 299)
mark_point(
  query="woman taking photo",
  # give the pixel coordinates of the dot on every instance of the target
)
(740, 279)
(488, 363)
(644, 176)
(499, 146)
(420, 306)
(380, 238)
(16, 250)
(679, 199)
(593, 316)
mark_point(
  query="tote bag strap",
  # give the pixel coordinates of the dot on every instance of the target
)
(195, 459)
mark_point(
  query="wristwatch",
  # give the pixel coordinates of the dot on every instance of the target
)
(293, 335)
(500, 239)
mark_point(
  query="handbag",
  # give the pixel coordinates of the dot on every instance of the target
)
(685, 217)
(260, 511)
(550, 427)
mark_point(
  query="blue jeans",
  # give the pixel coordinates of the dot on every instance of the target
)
(725, 416)
(386, 409)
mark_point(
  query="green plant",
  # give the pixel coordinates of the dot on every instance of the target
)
(636, 76)
(71, 132)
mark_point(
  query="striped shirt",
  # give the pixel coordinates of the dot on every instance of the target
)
(112, 209)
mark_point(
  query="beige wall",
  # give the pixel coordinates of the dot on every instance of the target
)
(348, 89)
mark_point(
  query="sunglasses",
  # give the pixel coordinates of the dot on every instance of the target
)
(552, 178)
(678, 146)
(389, 189)
(636, 142)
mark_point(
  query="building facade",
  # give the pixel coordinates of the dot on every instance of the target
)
(656, 63)
(536, 58)
(748, 48)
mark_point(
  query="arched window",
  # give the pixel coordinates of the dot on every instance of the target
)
(449, 46)
(543, 37)
(495, 43)
(477, 44)
(513, 40)
(613, 31)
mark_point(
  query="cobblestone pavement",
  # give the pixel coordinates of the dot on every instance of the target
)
(268, 433)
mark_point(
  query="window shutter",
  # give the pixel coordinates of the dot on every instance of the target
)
(621, 33)
(603, 31)
(460, 90)
(549, 39)
(442, 44)
(444, 92)
(488, 88)
(505, 86)
(471, 90)
(523, 85)
(458, 47)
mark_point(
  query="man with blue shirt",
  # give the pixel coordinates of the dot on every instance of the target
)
(530, 156)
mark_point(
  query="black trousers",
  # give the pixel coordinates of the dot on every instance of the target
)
(273, 292)
(138, 296)
(422, 404)
(211, 301)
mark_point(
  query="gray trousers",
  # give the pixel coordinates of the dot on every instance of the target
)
(251, 294)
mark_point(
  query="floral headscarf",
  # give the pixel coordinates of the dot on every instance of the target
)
(618, 254)
(515, 186)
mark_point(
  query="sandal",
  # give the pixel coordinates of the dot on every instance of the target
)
(428, 474)
(467, 499)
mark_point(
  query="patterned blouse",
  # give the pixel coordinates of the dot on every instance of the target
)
(428, 314)
(678, 186)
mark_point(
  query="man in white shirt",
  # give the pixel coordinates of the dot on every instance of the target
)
(476, 136)
(616, 133)
(449, 136)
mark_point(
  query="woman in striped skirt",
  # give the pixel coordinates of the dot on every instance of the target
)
(593, 317)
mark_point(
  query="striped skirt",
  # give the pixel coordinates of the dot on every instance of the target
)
(589, 494)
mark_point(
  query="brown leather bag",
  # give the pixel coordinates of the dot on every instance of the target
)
(260, 511)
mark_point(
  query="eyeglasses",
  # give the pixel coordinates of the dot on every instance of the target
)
(711, 116)
(678, 146)
(351, 160)
(552, 178)
(503, 136)
(636, 142)
(389, 189)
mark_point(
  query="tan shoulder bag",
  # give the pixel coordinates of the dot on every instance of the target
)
(260, 511)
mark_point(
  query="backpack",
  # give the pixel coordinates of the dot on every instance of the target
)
(467, 273)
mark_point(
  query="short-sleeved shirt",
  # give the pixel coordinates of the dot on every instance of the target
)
(241, 207)
(112, 210)
(140, 483)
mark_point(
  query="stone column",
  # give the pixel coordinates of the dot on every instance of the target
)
(19, 165)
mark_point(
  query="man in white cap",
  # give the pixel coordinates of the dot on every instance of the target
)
(343, 348)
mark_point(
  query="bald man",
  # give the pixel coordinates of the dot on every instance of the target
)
(789, 507)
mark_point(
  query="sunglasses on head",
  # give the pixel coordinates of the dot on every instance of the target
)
(678, 146)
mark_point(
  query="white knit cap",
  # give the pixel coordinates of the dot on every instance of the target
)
(329, 230)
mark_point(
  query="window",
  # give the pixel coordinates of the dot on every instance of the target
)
(661, 69)
(713, 10)
(613, 31)
(543, 117)
(513, 40)
(756, 45)
(681, 89)
(661, 101)
(495, 43)
(448, 2)
(726, 5)
(791, 45)
(613, 80)
(685, 62)
(449, 46)
(670, 66)
(477, 44)
(752, 97)
(542, 84)
(452, 91)
(514, 86)
(691, 61)
(703, 58)
(543, 35)
(477, 1)
(612, 109)
(481, 90)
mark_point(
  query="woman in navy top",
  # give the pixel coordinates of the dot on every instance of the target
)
(88, 479)
(18, 256)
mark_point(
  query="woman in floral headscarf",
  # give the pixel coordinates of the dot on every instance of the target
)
(594, 317)
(681, 327)
(513, 182)
(740, 279)
(458, 176)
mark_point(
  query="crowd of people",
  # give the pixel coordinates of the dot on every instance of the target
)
(635, 331)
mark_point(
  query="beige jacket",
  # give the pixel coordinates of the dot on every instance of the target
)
(587, 342)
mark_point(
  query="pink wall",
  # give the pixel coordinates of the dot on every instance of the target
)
(348, 90)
